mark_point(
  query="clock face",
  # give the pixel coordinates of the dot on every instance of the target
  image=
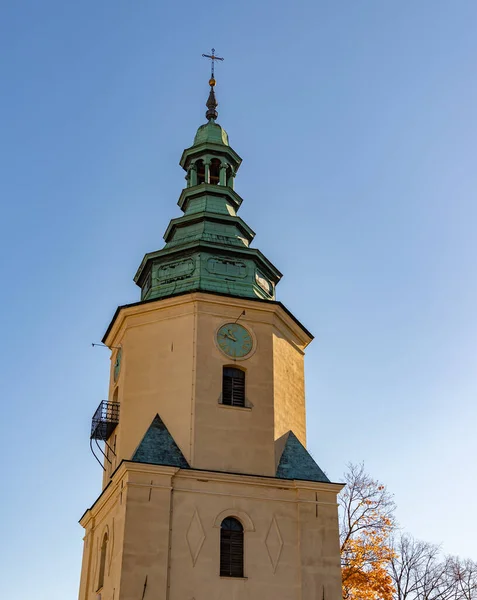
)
(234, 340)
(117, 364)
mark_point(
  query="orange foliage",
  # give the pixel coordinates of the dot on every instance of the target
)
(364, 568)
(367, 522)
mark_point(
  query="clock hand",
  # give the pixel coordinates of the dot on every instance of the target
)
(231, 336)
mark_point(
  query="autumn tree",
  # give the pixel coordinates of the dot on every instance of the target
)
(366, 525)
(420, 572)
(414, 567)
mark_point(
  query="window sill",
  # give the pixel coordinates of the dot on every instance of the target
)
(234, 407)
(230, 577)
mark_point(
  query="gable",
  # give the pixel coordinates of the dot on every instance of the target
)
(159, 448)
(296, 462)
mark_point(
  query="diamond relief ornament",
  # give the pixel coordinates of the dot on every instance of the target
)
(195, 536)
(274, 543)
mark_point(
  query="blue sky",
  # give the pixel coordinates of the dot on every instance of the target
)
(357, 124)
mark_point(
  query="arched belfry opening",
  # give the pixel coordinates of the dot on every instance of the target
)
(200, 171)
(214, 174)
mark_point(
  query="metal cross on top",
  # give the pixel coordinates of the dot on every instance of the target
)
(213, 58)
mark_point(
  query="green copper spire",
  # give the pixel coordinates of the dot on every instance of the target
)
(212, 103)
(211, 132)
(208, 247)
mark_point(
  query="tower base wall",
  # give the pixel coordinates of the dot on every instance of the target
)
(166, 541)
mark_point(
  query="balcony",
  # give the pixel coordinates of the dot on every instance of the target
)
(104, 420)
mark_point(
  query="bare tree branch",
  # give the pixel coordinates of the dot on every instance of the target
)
(380, 563)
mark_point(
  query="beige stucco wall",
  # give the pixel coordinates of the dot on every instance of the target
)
(227, 438)
(106, 516)
(288, 384)
(171, 536)
(156, 376)
(172, 366)
(147, 534)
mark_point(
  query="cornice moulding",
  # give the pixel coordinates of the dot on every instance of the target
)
(149, 306)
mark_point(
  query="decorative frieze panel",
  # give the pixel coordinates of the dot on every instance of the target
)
(175, 270)
(227, 267)
(274, 543)
(195, 537)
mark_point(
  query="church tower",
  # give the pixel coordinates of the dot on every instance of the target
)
(208, 490)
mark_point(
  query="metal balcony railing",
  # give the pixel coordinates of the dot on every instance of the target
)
(103, 423)
(104, 420)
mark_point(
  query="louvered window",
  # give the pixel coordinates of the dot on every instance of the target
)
(231, 548)
(233, 387)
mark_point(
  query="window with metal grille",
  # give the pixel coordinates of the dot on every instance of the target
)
(233, 387)
(231, 548)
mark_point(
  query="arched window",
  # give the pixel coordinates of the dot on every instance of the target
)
(102, 561)
(231, 548)
(200, 171)
(233, 387)
(214, 173)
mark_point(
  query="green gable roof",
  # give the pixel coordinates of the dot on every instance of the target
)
(297, 463)
(159, 448)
